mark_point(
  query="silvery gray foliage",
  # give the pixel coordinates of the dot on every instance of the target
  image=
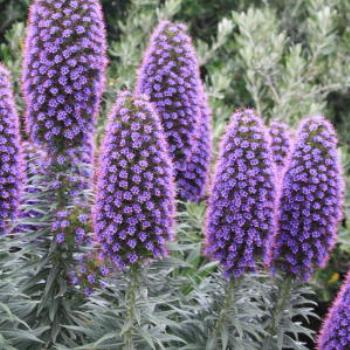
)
(226, 316)
(44, 299)
(137, 310)
(291, 307)
(16, 254)
(14, 305)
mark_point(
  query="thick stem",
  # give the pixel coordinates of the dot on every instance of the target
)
(58, 257)
(130, 301)
(228, 301)
(282, 301)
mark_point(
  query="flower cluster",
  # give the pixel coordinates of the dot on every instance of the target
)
(240, 216)
(72, 172)
(170, 76)
(192, 186)
(63, 72)
(11, 174)
(280, 143)
(71, 226)
(135, 195)
(311, 201)
(91, 270)
(335, 333)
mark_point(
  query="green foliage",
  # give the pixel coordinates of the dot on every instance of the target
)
(288, 80)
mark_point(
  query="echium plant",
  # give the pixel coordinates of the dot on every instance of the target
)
(240, 217)
(11, 172)
(169, 75)
(240, 222)
(280, 143)
(310, 206)
(133, 216)
(63, 81)
(135, 201)
(335, 332)
(308, 213)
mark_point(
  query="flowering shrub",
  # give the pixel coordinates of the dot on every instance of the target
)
(98, 254)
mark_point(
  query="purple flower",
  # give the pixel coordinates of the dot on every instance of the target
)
(133, 216)
(60, 238)
(240, 217)
(193, 185)
(280, 143)
(335, 332)
(11, 174)
(63, 72)
(310, 205)
(169, 75)
(91, 279)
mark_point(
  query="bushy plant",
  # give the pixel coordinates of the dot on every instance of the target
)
(99, 254)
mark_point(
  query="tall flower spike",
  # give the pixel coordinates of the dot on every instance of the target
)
(311, 202)
(169, 75)
(63, 72)
(335, 332)
(193, 185)
(11, 174)
(134, 209)
(240, 216)
(280, 143)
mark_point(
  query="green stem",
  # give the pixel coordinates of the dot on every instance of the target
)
(282, 301)
(130, 301)
(58, 257)
(228, 301)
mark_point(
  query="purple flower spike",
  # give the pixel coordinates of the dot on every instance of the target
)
(63, 72)
(193, 185)
(11, 172)
(169, 75)
(134, 209)
(335, 333)
(240, 217)
(280, 143)
(310, 203)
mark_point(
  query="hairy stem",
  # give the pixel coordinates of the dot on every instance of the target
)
(282, 301)
(226, 306)
(130, 301)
